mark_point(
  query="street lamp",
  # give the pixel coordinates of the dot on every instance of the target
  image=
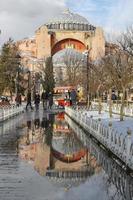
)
(19, 68)
(29, 80)
(86, 53)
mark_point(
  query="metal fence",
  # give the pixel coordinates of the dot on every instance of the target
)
(7, 112)
(118, 143)
(128, 110)
(116, 172)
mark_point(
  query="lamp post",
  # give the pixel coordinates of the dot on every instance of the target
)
(86, 53)
(29, 80)
(19, 68)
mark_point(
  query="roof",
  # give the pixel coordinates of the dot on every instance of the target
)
(69, 21)
(68, 17)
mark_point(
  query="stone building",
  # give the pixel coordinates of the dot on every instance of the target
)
(67, 30)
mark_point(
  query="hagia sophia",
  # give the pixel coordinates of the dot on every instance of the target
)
(65, 31)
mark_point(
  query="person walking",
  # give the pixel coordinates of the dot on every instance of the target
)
(37, 100)
(44, 99)
(73, 97)
(29, 100)
(18, 100)
(50, 100)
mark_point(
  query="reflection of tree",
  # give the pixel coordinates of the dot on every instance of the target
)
(49, 130)
(37, 123)
(116, 194)
(71, 143)
(48, 137)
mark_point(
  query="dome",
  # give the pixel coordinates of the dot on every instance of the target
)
(69, 21)
(69, 178)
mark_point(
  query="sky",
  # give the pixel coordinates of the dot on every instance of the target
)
(20, 18)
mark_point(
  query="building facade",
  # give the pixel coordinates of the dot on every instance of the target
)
(66, 31)
(69, 30)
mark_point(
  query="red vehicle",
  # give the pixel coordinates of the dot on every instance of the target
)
(61, 95)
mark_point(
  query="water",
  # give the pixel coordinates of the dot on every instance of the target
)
(48, 157)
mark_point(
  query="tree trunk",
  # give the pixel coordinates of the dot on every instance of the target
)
(122, 106)
(110, 103)
(99, 104)
(11, 95)
(127, 97)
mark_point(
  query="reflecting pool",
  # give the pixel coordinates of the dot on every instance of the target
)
(46, 156)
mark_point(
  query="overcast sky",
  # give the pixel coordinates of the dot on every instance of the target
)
(20, 18)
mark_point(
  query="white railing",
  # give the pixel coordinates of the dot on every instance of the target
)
(128, 110)
(115, 172)
(119, 144)
(7, 112)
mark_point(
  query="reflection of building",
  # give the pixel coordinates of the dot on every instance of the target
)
(60, 126)
(64, 158)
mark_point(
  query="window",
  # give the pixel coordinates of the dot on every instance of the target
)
(61, 26)
(27, 45)
(69, 46)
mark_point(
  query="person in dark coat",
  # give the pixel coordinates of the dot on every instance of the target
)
(37, 100)
(29, 100)
(73, 97)
(44, 99)
(18, 100)
(50, 100)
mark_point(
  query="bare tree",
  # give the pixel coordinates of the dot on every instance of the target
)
(101, 82)
(126, 41)
(47, 75)
(73, 61)
(119, 68)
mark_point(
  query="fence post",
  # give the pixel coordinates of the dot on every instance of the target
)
(129, 142)
(110, 133)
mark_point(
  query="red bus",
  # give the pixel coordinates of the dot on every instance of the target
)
(62, 95)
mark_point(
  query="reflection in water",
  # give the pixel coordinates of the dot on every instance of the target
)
(55, 150)
(60, 150)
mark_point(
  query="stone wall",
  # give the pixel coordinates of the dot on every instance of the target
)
(46, 40)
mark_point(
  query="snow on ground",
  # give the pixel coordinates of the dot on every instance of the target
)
(119, 126)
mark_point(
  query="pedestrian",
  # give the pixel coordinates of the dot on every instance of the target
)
(37, 123)
(69, 94)
(50, 100)
(37, 100)
(29, 100)
(44, 99)
(73, 97)
(18, 99)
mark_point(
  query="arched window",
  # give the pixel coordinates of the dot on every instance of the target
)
(76, 26)
(61, 26)
(71, 26)
(82, 27)
(66, 26)
(87, 28)
(58, 26)
(54, 26)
